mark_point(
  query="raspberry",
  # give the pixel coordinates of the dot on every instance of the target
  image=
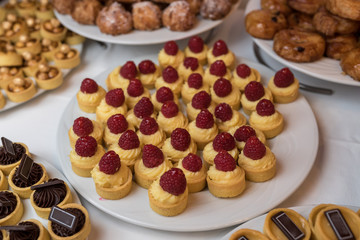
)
(201, 100)
(88, 86)
(110, 163)
(135, 88)
(115, 97)
(173, 181)
(117, 124)
(83, 126)
(180, 139)
(147, 67)
(143, 108)
(243, 71)
(196, 44)
(191, 63)
(218, 68)
(152, 156)
(224, 161)
(254, 91)
(254, 148)
(148, 126)
(128, 70)
(195, 80)
(86, 146)
(192, 162)
(243, 133)
(169, 109)
(171, 48)
(265, 108)
(170, 75)
(204, 119)
(224, 141)
(220, 48)
(129, 140)
(222, 87)
(164, 94)
(283, 78)
(224, 112)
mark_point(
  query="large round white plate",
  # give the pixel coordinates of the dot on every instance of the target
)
(9, 104)
(258, 222)
(326, 69)
(295, 149)
(137, 37)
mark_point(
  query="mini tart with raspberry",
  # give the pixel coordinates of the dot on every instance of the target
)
(170, 118)
(11, 215)
(227, 118)
(9, 162)
(164, 201)
(85, 156)
(115, 126)
(112, 103)
(192, 86)
(243, 74)
(253, 93)
(53, 30)
(90, 95)
(242, 133)
(85, 127)
(257, 160)
(20, 90)
(48, 77)
(171, 79)
(112, 179)
(148, 73)
(121, 75)
(267, 119)
(201, 100)
(223, 91)
(195, 172)
(248, 234)
(66, 57)
(170, 55)
(188, 66)
(272, 231)
(197, 49)
(134, 92)
(215, 71)
(38, 231)
(2, 101)
(284, 86)
(220, 52)
(150, 133)
(179, 145)
(163, 95)
(225, 179)
(143, 108)
(27, 44)
(7, 74)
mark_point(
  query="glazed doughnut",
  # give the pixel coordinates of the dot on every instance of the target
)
(263, 24)
(275, 6)
(301, 21)
(336, 46)
(63, 6)
(215, 9)
(306, 6)
(178, 16)
(350, 63)
(86, 11)
(344, 8)
(298, 46)
(146, 16)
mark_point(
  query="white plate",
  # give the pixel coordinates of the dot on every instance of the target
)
(326, 69)
(137, 37)
(9, 104)
(258, 222)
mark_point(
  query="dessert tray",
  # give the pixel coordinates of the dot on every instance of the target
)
(326, 69)
(141, 37)
(258, 222)
(204, 210)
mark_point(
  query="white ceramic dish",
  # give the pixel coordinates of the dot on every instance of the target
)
(9, 104)
(137, 37)
(258, 222)
(206, 212)
(326, 69)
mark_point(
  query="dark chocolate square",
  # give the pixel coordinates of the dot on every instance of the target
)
(63, 218)
(8, 146)
(287, 226)
(24, 169)
(339, 224)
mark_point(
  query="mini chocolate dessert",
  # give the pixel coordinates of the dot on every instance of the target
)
(11, 208)
(10, 155)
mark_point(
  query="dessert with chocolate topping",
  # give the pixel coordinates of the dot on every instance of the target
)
(11, 208)
(8, 161)
(30, 229)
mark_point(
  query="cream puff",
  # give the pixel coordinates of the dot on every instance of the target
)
(189, 66)
(223, 91)
(215, 71)
(227, 118)
(201, 100)
(143, 108)
(193, 85)
(150, 133)
(254, 92)
(82, 127)
(163, 95)
(284, 86)
(243, 74)
(113, 103)
(171, 79)
(197, 48)
(170, 55)
(114, 127)
(220, 51)
(170, 118)
(148, 73)
(90, 95)
(134, 92)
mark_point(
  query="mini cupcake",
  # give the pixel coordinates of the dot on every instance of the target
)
(242, 134)
(151, 166)
(179, 145)
(267, 119)
(257, 160)
(11, 214)
(223, 91)
(216, 70)
(197, 49)
(170, 118)
(120, 76)
(161, 96)
(113, 103)
(20, 90)
(114, 127)
(171, 79)
(85, 156)
(67, 57)
(148, 73)
(9, 160)
(90, 95)
(193, 85)
(220, 51)
(144, 108)
(29, 229)
(85, 127)
(253, 93)
(48, 77)
(170, 55)
(150, 133)
(284, 86)
(201, 100)
(227, 118)
(225, 179)
(53, 30)
(189, 66)
(243, 74)
(134, 92)
(112, 179)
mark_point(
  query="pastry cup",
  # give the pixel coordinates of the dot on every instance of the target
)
(142, 179)
(35, 34)
(5, 235)
(34, 49)
(52, 36)
(3, 181)
(6, 169)
(82, 234)
(114, 193)
(43, 234)
(22, 96)
(195, 184)
(284, 95)
(45, 212)
(49, 55)
(23, 31)
(90, 105)
(83, 170)
(2, 101)
(44, 15)
(74, 39)
(168, 210)
(28, 10)
(50, 83)
(269, 131)
(26, 192)
(31, 70)
(10, 59)
(6, 79)
(249, 234)
(14, 217)
(69, 62)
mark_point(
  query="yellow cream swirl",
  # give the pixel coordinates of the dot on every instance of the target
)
(127, 157)
(233, 99)
(87, 161)
(237, 120)
(228, 177)
(201, 56)
(115, 80)
(132, 101)
(169, 60)
(158, 105)
(148, 80)
(187, 93)
(156, 139)
(110, 180)
(265, 122)
(164, 197)
(211, 79)
(228, 58)
(155, 172)
(209, 153)
(267, 161)
(134, 120)
(286, 91)
(186, 72)
(202, 135)
(104, 111)
(175, 86)
(176, 155)
(242, 82)
(97, 133)
(250, 106)
(192, 176)
(91, 98)
(170, 124)
(192, 112)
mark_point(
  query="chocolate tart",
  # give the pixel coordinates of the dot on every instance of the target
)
(54, 36)
(249, 234)
(11, 215)
(82, 228)
(45, 196)
(8, 162)
(2, 101)
(23, 95)
(7, 76)
(36, 232)
(3, 181)
(47, 82)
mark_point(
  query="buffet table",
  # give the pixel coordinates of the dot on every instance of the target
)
(333, 178)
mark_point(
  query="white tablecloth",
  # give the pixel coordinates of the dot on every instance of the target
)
(333, 179)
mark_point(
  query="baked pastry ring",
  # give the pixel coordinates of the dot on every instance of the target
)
(344, 8)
